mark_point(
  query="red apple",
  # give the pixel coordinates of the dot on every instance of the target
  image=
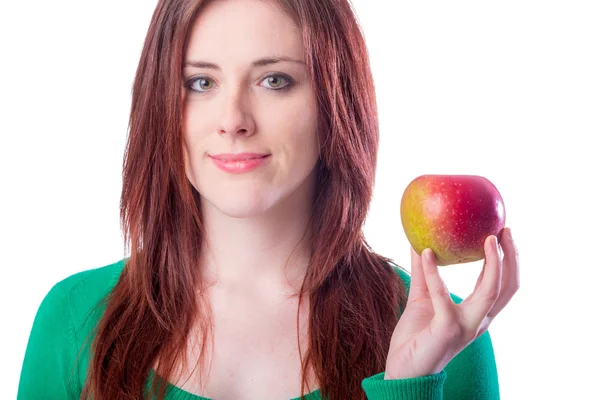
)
(452, 215)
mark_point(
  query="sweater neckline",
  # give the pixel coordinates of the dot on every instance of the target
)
(177, 393)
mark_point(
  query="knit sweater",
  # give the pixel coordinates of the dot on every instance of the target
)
(66, 316)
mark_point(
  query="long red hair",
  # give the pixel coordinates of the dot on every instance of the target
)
(355, 295)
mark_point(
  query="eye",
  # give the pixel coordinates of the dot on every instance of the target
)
(278, 81)
(205, 84)
(202, 84)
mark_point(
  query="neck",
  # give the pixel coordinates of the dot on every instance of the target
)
(271, 250)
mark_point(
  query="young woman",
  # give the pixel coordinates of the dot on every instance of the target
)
(247, 179)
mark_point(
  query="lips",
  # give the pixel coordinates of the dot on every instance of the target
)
(239, 163)
(238, 156)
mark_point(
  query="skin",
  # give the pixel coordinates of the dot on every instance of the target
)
(256, 219)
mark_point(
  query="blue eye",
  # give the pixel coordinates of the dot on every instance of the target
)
(202, 84)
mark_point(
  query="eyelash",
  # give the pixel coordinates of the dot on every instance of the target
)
(290, 83)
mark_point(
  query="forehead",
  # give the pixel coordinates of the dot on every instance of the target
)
(243, 29)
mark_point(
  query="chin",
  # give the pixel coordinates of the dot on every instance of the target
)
(241, 206)
(242, 210)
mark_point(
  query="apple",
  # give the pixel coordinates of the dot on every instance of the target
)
(452, 215)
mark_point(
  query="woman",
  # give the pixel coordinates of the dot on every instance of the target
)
(249, 276)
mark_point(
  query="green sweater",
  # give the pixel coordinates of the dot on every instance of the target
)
(62, 325)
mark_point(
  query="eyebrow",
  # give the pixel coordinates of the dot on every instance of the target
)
(258, 63)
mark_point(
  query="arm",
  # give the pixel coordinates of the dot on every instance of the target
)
(49, 359)
(437, 329)
(471, 374)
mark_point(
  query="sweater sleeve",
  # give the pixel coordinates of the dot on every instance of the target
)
(472, 373)
(422, 388)
(48, 366)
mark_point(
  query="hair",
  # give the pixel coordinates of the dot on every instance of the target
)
(354, 294)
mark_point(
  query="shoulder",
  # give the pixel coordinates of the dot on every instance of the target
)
(84, 289)
(61, 327)
(73, 306)
(82, 292)
(77, 297)
(402, 273)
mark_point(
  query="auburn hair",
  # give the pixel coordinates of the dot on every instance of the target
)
(355, 295)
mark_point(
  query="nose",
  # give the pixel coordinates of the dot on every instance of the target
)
(236, 118)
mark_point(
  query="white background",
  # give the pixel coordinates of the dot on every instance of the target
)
(508, 90)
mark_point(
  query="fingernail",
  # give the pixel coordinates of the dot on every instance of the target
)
(428, 253)
(494, 243)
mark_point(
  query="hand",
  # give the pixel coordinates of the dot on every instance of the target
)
(432, 328)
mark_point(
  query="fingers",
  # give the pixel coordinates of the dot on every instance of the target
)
(479, 304)
(510, 273)
(440, 297)
(418, 286)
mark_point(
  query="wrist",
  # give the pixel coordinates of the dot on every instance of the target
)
(390, 376)
(408, 374)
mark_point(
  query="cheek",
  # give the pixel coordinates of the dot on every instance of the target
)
(305, 133)
(190, 122)
(195, 127)
(299, 120)
(302, 148)
(189, 164)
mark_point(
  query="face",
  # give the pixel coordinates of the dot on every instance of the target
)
(238, 100)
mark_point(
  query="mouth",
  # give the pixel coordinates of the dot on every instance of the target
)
(240, 165)
(238, 157)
